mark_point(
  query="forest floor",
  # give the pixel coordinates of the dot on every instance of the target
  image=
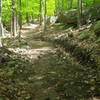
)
(37, 70)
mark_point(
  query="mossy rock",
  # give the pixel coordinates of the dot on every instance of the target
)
(68, 17)
(94, 11)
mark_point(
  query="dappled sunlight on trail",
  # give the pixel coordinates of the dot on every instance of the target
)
(30, 26)
(34, 49)
(31, 53)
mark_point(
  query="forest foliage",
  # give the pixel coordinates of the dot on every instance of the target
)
(32, 7)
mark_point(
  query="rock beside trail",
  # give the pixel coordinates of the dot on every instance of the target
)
(94, 11)
(68, 17)
(90, 13)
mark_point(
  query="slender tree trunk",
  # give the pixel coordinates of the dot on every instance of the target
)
(45, 17)
(71, 4)
(27, 17)
(55, 12)
(59, 6)
(20, 19)
(81, 7)
(27, 13)
(1, 28)
(14, 23)
(20, 15)
(14, 18)
(79, 13)
(32, 18)
(40, 12)
(62, 5)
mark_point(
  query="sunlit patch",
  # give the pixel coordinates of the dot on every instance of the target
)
(31, 53)
(30, 26)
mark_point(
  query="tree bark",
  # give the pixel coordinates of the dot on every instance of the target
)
(62, 5)
(20, 15)
(27, 17)
(40, 12)
(13, 19)
(20, 19)
(32, 18)
(79, 13)
(71, 4)
(1, 26)
(58, 6)
(27, 13)
(45, 17)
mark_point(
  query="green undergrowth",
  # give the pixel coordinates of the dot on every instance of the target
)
(69, 81)
(63, 26)
(84, 35)
(14, 72)
(98, 40)
(53, 77)
(14, 42)
(80, 82)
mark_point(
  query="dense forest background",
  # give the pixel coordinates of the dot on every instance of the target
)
(30, 10)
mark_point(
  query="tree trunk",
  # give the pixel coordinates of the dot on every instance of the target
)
(62, 5)
(32, 18)
(55, 11)
(27, 17)
(20, 20)
(13, 19)
(71, 4)
(27, 13)
(20, 15)
(14, 23)
(45, 17)
(79, 13)
(40, 12)
(58, 6)
(1, 26)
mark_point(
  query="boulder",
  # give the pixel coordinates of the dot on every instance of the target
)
(51, 20)
(93, 12)
(68, 17)
(88, 13)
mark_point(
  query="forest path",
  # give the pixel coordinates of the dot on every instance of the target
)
(41, 83)
(43, 73)
(34, 48)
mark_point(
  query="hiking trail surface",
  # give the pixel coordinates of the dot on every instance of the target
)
(42, 73)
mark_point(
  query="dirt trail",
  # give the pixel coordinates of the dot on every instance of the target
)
(42, 54)
(34, 48)
(52, 75)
